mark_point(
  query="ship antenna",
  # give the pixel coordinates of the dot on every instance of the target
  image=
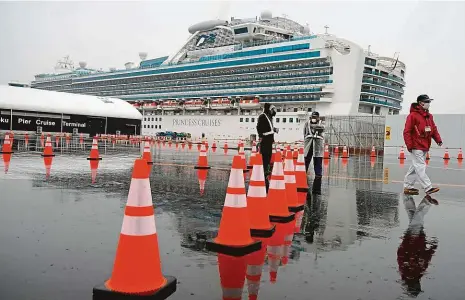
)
(326, 29)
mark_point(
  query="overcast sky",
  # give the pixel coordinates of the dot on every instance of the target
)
(430, 36)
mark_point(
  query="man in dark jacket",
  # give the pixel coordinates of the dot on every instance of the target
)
(266, 133)
(418, 131)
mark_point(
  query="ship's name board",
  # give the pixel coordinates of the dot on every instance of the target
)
(197, 122)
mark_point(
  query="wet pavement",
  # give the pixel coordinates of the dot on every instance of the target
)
(360, 237)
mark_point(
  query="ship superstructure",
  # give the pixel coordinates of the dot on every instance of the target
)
(219, 80)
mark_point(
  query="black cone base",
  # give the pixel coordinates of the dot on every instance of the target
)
(1, 152)
(101, 292)
(246, 170)
(98, 158)
(236, 251)
(302, 190)
(295, 209)
(281, 219)
(202, 168)
(249, 167)
(263, 233)
(47, 155)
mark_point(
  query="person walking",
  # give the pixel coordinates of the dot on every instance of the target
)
(266, 131)
(418, 132)
(314, 143)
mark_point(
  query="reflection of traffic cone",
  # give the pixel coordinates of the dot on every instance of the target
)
(137, 269)
(67, 140)
(199, 146)
(402, 153)
(57, 140)
(345, 153)
(183, 145)
(6, 152)
(291, 185)
(202, 175)
(202, 162)
(189, 146)
(336, 150)
(26, 141)
(255, 263)
(460, 155)
(275, 250)
(225, 147)
(301, 178)
(214, 145)
(81, 140)
(372, 161)
(256, 201)
(298, 221)
(373, 152)
(277, 197)
(232, 275)
(326, 153)
(48, 156)
(170, 143)
(446, 155)
(42, 140)
(295, 154)
(234, 231)
(287, 244)
(94, 159)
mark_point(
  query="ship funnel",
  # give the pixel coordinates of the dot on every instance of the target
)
(129, 65)
(143, 55)
(82, 64)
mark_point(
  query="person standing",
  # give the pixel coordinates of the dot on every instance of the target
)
(418, 132)
(266, 131)
(314, 143)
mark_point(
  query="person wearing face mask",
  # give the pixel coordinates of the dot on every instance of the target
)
(266, 132)
(418, 131)
(314, 143)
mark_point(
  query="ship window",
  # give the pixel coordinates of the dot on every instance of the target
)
(284, 120)
(291, 120)
(144, 126)
(309, 109)
(241, 120)
(152, 119)
(241, 30)
(159, 127)
(145, 119)
(156, 119)
(252, 120)
(297, 120)
(152, 126)
(160, 119)
(277, 120)
(295, 109)
(247, 119)
(377, 110)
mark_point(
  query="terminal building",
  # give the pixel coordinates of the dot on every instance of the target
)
(24, 109)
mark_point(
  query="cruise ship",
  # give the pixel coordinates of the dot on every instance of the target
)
(218, 82)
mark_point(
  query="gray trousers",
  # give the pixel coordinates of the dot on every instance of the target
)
(417, 171)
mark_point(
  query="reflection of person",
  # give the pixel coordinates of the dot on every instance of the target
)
(418, 131)
(314, 143)
(266, 131)
(415, 251)
(313, 211)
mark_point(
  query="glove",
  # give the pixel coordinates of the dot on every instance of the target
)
(276, 130)
(440, 144)
(409, 150)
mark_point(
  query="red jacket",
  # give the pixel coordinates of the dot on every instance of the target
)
(416, 136)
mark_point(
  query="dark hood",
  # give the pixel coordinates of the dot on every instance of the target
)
(415, 107)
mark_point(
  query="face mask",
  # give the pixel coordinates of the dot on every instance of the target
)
(313, 120)
(273, 112)
(425, 105)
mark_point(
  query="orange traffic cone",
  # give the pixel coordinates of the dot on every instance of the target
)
(460, 155)
(225, 147)
(345, 153)
(301, 178)
(26, 141)
(336, 150)
(446, 155)
(277, 197)
(257, 203)
(214, 145)
(189, 146)
(202, 162)
(81, 140)
(137, 269)
(48, 156)
(295, 154)
(326, 152)
(373, 152)
(147, 154)
(402, 153)
(232, 275)
(57, 141)
(6, 152)
(234, 232)
(254, 152)
(94, 159)
(291, 185)
(242, 155)
(67, 140)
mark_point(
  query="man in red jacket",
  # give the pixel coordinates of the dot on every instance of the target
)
(418, 131)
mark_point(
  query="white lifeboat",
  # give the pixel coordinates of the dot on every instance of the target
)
(194, 104)
(221, 103)
(170, 105)
(250, 103)
(150, 105)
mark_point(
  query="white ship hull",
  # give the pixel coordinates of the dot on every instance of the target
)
(223, 127)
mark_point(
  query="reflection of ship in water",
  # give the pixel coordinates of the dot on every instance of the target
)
(416, 250)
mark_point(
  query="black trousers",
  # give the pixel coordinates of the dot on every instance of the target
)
(317, 162)
(266, 149)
